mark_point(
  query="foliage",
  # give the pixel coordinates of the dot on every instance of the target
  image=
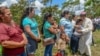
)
(70, 2)
(46, 1)
(17, 10)
(93, 7)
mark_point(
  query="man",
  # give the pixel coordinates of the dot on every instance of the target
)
(86, 39)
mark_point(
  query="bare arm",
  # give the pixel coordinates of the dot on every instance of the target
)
(52, 30)
(28, 30)
(13, 44)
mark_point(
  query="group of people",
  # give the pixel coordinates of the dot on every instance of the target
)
(23, 39)
(96, 22)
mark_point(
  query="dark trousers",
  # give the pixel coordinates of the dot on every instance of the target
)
(23, 54)
(74, 44)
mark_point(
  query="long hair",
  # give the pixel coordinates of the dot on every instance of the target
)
(46, 15)
(25, 14)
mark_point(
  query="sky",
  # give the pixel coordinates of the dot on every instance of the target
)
(54, 2)
(57, 2)
(37, 3)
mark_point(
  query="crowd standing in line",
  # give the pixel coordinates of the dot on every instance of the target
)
(23, 40)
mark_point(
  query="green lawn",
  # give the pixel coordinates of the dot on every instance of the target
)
(95, 49)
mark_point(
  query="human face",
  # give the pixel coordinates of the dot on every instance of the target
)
(7, 16)
(82, 17)
(80, 23)
(31, 14)
(51, 20)
(63, 36)
(75, 18)
(67, 16)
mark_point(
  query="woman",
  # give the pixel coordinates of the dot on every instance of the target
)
(12, 38)
(65, 24)
(49, 32)
(30, 27)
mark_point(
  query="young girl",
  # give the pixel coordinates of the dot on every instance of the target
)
(62, 44)
(75, 37)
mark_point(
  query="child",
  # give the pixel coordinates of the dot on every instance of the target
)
(62, 44)
(79, 24)
(76, 36)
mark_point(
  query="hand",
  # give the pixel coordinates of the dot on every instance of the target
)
(58, 30)
(79, 31)
(38, 39)
(23, 43)
(77, 26)
(4, 43)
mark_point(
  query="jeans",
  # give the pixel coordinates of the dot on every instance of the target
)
(74, 44)
(48, 50)
(32, 46)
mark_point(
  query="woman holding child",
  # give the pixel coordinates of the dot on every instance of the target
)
(49, 31)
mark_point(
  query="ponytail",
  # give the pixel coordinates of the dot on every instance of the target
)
(45, 19)
(25, 14)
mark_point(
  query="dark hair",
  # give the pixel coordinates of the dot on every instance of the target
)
(78, 21)
(46, 15)
(64, 13)
(25, 13)
(2, 9)
(73, 15)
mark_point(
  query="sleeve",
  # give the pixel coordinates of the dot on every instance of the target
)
(3, 34)
(88, 28)
(62, 22)
(26, 22)
(47, 26)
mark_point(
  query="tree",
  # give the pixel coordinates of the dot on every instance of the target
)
(45, 1)
(70, 3)
(17, 10)
(93, 7)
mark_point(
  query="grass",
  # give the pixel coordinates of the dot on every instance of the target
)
(95, 49)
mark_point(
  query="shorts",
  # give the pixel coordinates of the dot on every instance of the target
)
(31, 46)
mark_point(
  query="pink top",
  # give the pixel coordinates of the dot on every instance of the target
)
(3, 33)
(11, 33)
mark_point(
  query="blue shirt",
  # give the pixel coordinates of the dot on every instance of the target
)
(46, 31)
(68, 26)
(33, 25)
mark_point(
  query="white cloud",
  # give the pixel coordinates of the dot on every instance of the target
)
(59, 8)
(39, 14)
(8, 3)
(39, 5)
(78, 12)
(82, 1)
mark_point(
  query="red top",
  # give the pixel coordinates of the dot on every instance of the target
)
(14, 34)
(58, 54)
